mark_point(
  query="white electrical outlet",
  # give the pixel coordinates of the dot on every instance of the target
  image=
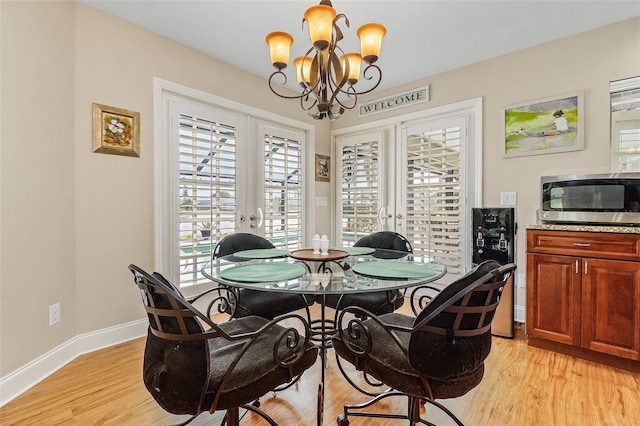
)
(54, 314)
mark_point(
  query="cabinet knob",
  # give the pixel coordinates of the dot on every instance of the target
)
(581, 245)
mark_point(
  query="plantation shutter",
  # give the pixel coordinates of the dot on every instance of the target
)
(283, 188)
(360, 198)
(625, 125)
(433, 195)
(207, 190)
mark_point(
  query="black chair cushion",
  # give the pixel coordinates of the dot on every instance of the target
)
(255, 302)
(194, 364)
(257, 373)
(238, 242)
(388, 363)
(269, 304)
(176, 389)
(385, 240)
(445, 357)
(378, 302)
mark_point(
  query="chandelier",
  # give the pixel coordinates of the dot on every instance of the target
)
(325, 73)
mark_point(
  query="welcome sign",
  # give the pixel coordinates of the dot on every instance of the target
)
(412, 97)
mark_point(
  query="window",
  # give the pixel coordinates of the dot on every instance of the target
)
(284, 213)
(359, 162)
(433, 193)
(625, 125)
(207, 189)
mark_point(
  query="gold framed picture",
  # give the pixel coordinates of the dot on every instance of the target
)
(323, 168)
(116, 131)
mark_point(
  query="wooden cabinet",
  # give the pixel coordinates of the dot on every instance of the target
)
(583, 290)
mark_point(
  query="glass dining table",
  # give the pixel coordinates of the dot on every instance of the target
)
(344, 270)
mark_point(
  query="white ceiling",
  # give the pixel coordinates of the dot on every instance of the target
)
(423, 37)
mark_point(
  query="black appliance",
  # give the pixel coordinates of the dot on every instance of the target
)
(494, 233)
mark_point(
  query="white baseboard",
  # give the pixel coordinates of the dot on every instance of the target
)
(519, 314)
(19, 381)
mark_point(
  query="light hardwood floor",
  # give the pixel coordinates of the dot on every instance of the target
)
(522, 386)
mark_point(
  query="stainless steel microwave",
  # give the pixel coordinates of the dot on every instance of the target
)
(606, 198)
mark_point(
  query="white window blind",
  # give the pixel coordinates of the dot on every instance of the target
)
(626, 144)
(283, 191)
(433, 200)
(207, 191)
(625, 124)
(359, 192)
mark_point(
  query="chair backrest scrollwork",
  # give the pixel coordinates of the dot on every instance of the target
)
(453, 332)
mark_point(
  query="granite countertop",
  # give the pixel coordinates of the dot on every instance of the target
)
(548, 226)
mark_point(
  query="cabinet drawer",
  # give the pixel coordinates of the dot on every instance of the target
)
(585, 244)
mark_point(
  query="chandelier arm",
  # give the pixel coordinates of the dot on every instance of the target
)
(344, 106)
(338, 32)
(364, 74)
(306, 92)
(309, 108)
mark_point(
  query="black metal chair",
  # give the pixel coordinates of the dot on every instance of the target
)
(379, 302)
(194, 365)
(255, 302)
(437, 355)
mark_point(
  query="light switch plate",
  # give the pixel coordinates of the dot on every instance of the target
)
(507, 198)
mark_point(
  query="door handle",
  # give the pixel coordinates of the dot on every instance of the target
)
(259, 218)
(383, 216)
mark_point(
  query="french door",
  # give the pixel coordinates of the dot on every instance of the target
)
(227, 173)
(412, 179)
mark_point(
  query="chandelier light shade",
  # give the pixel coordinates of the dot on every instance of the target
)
(279, 46)
(370, 36)
(326, 74)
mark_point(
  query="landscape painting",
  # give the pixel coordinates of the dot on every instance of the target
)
(543, 126)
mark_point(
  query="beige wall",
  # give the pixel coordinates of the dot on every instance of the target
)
(90, 215)
(586, 62)
(37, 179)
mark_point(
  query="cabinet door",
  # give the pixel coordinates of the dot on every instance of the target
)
(553, 297)
(611, 307)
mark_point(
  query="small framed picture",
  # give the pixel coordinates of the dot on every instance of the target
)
(323, 168)
(543, 126)
(116, 131)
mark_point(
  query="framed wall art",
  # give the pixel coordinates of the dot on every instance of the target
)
(543, 126)
(323, 168)
(116, 131)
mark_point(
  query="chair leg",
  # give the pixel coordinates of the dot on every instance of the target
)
(189, 420)
(343, 419)
(233, 416)
(413, 410)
